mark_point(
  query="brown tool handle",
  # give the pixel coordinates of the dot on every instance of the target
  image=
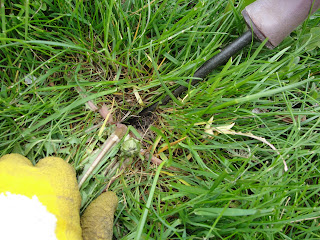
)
(276, 19)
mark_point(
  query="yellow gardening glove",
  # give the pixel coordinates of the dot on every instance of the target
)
(53, 182)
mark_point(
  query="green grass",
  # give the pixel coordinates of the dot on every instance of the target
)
(225, 186)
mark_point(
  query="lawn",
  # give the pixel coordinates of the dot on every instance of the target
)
(235, 157)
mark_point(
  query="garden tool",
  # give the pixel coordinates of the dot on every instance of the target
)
(267, 19)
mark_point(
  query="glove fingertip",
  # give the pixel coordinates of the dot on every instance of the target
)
(97, 219)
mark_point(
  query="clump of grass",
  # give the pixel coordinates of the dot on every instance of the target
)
(57, 56)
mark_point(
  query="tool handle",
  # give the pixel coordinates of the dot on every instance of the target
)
(276, 19)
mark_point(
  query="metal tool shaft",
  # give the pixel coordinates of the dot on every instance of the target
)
(205, 69)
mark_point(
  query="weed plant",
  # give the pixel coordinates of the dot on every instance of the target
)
(213, 183)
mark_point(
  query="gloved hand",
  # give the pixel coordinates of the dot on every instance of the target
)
(44, 201)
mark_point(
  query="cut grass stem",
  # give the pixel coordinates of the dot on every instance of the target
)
(127, 51)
